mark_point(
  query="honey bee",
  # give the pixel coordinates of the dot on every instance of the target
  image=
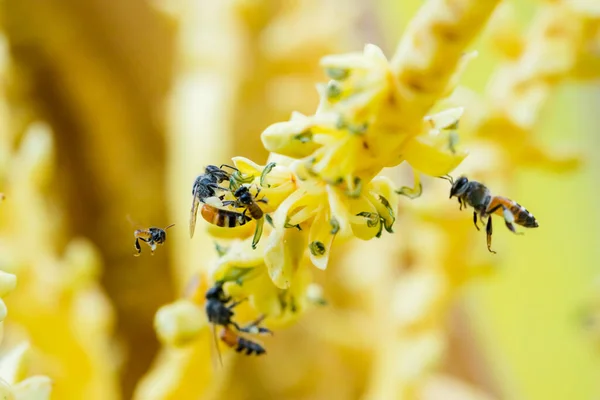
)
(206, 185)
(152, 236)
(219, 311)
(245, 199)
(478, 196)
(223, 218)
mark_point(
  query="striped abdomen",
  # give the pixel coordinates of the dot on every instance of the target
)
(223, 218)
(240, 344)
(521, 215)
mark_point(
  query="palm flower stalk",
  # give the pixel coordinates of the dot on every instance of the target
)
(322, 181)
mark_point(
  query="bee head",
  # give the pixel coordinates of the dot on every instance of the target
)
(215, 292)
(241, 191)
(158, 234)
(459, 186)
(211, 169)
(216, 173)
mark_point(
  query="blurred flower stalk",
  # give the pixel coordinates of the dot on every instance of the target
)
(58, 306)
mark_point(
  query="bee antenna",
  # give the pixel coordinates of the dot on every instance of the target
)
(169, 226)
(448, 178)
(228, 166)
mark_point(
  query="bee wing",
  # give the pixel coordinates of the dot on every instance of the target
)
(215, 347)
(193, 214)
(133, 223)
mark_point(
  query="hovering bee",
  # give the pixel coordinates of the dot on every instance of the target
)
(219, 311)
(206, 185)
(478, 196)
(223, 218)
(153, 236)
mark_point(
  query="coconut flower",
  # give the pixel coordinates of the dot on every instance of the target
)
(321, 183)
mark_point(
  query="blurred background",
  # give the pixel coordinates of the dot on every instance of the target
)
(110, 110)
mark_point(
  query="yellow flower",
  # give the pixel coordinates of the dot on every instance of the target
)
(247, 277)
(316, 213)
(13, 364)
(180, 322)
(13, 386)
(355, 131)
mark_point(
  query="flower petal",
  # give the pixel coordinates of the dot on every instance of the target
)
(383, 197)
(428, 154)
(8, 282)
(345, 61)
(180, 322)
(13, 365)
(445, 119)
(3, 310)
(320, 239)
(33, 388)
(283, 253)
(247, 166)
(339, 213)
(238, 255)
(294, 138)
(6, 392)
(365, 221)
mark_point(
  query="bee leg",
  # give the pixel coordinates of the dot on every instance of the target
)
(475, 219)
(489, 234)
(228, 202)
(255, 329)
(461, 203)
(236, 326)
(152, 247)
(215, 186)
(137, 246)
(235, 304)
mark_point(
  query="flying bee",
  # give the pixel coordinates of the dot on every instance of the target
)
(219, 311)
(205, 186)
(223, 218)
(478, 196)
(152, 236)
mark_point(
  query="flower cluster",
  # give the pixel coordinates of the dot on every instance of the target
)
(322, 183)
